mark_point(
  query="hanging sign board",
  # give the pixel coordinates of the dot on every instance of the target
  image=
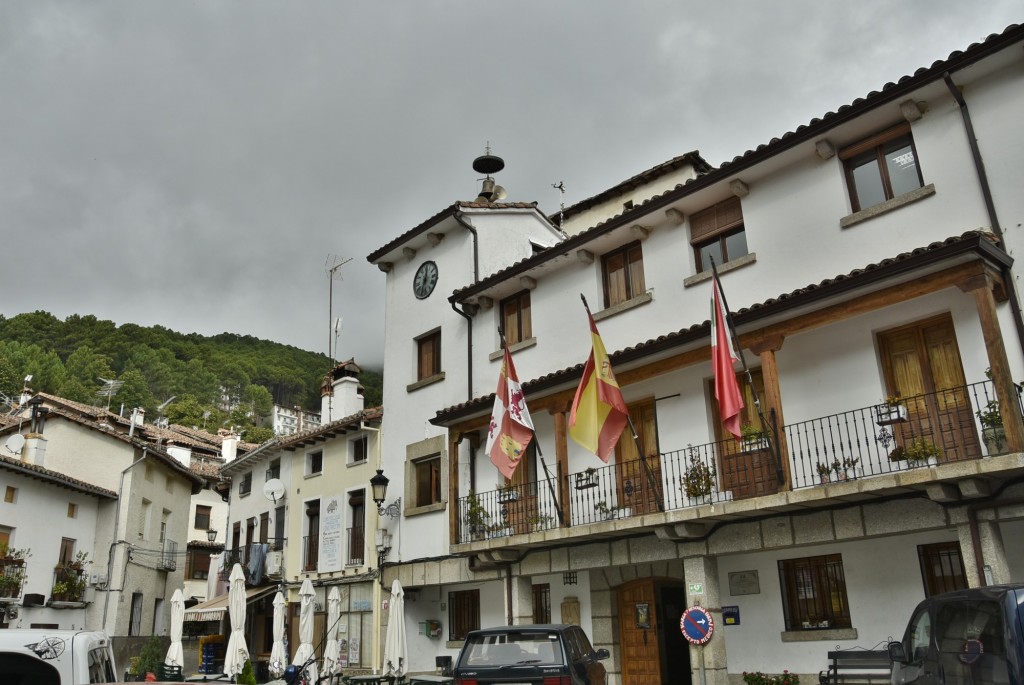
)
(697, 625)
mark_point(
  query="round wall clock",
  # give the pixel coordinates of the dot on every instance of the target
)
(425, 280)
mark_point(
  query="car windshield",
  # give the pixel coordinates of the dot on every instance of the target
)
(512, 649)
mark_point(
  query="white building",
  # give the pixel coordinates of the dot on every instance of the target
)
(864, 255)
(290, 420)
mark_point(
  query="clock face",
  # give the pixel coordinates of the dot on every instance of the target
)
(425, 280)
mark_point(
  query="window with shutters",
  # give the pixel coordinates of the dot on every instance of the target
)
(515, 318)
(202, 520)
(814, 593)
(717, 233)
(428, 355)
(881, 167)
(942, 568)
(623, 274)
(428, 480)
(463, 613)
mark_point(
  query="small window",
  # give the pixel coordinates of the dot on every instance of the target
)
(245, 487)
(463, 613)
(198, 564)
(515, 318)
(428, 355)
(72, 510)
(314, 462)
(717, 233)
(274, 471)
(542, 603)
(11, 494)
(814, 593)
(428, 480)
(882, 167)
(202, 521)
(359, 449)
(623, 274)
(942, 568)
(264, 526)
(67, 551)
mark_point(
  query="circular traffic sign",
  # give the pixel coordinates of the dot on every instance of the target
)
(697, 625)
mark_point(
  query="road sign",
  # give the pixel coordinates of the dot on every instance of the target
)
(697, 625)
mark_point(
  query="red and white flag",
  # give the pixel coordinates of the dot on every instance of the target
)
(511, 427)
(727, 390)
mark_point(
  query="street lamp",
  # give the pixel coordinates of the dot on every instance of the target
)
(211, 535)
(379, 487)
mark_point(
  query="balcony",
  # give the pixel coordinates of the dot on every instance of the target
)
(243, 555)
(356, 545)
(12, 579)
(955, 425)
(168, 557)
(68, 589)
(310, 552)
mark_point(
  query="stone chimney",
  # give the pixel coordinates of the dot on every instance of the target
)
(340, 393)
(229, 447)
(181, 454)
(34, 451)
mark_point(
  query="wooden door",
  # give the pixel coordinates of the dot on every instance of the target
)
(922, 365)
(638, 481)
(519, 510)
(638, 633)
(745, 472)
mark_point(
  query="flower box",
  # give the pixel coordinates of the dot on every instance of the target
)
(888, 414)
(586, 480)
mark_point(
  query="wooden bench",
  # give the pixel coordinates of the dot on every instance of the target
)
(856, 666)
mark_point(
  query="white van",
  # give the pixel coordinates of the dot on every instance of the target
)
(55, 657)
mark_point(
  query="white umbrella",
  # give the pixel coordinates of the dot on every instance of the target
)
(278, 657)
(174, 656)
(332, 651)
(237, 652)
(305, 650)
(396, 652)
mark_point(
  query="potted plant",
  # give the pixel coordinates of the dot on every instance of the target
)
(59, 591)
(586, 479)
(916, 452)
(698, 481)
(992, 432)
(477, 518)
(836, 467)
(79, 562)
(850, 464)
(507, 492)
(150, 657)
(540, 522)
(824, 471)
(752, 438)
(11, 556)
(606, 512)
(10, 584)
(891, 410)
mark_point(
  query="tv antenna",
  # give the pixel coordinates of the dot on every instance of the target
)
(560, 187)
(336, 262)
(109, 389)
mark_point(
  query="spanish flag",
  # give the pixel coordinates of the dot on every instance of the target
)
(598, 413)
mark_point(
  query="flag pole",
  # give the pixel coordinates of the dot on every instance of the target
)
(536, 443)
(651, 482)
(773, 433)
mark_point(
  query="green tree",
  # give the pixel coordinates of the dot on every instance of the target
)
(257, 434)
(135, 392)
(10, 382)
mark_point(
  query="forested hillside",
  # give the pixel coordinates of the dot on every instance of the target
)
(69, 358)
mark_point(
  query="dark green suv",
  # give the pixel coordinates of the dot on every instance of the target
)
(556, 654)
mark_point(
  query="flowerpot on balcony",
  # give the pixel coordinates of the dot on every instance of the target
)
(994, 438)
(888, 414)
(755, 444)
(586, 479)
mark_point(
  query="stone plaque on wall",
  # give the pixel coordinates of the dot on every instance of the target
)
(571, 610)
(744, 583)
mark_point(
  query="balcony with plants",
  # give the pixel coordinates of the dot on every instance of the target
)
(13, 568)
(68, 589)
(896, 435)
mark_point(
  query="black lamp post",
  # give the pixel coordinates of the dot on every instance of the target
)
(379, 486)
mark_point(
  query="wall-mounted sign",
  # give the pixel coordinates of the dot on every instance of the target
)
(744, 583)
(697, 625)
(696, 588)
(731, 615)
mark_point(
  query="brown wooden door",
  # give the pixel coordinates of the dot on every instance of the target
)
(745, 472)
(922, 365)
(520, 507)
(638, 481)
(638, 633)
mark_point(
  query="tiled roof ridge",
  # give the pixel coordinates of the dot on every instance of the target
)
(704, 328)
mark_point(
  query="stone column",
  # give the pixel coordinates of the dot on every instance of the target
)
(699, 567)
(992, 550)
(521, 597)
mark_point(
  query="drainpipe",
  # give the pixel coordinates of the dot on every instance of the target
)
(114, 543)
(986, 191)
(460, 219)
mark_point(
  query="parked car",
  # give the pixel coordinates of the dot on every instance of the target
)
(530, 654)
(55, 657)
(972, 637)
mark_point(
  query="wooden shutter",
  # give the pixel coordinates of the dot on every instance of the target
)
(713, 221)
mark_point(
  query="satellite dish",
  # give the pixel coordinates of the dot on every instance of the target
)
(273, 490)
(15, 443)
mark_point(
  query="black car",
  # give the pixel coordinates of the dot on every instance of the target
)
(557, 654)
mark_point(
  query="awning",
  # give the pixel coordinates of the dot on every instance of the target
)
(213, 609)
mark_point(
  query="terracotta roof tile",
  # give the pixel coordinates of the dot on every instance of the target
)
(44, 474)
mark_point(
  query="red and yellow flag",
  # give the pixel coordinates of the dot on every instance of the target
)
(727, 389)
(598, 413)
(511, 427)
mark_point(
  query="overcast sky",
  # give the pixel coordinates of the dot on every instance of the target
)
(200, 164)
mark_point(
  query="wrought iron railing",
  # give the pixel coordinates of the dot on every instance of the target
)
(12, 578)
(68, 583)
(951, 425)
(169, 556)
(356, 545)
(310, 552)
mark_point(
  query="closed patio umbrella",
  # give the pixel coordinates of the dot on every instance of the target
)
(396, 652)
(174, 655)
(332, 650)
(278, 657)
(237, 652)
(306, 596)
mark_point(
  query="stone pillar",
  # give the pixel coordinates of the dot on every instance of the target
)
(992, 550)
(963, 531)
(522, 598)
(702, 568)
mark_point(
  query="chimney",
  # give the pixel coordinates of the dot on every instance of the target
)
(182, 454)
(344, 396)
(229, 447)
(138, 419)
(35, 449)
